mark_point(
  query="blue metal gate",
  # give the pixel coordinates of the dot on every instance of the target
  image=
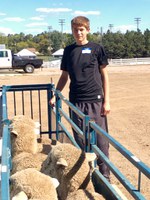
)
(39, 95)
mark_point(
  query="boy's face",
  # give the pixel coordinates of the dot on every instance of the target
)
(80, 34)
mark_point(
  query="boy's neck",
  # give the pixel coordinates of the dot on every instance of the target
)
(82, 42)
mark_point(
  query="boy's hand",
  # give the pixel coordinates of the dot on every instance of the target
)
(52, 101)
(105, 109)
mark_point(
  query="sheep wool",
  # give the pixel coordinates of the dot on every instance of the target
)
(69, 165)
(34, 184)
(26, 160)
(26, 120)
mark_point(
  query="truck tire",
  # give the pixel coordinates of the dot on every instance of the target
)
(29, 68)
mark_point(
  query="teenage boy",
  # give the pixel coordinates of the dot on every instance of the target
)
(85, 63)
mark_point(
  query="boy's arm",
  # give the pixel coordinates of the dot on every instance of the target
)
(62, 81)
(105, 81)
(60, 85)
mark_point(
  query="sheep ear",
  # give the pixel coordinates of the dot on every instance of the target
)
(62, 162)
(37, 128)
(90, 156)
(14, 132)
(55, 182)
(37, 131)
(20, 196)
(37, 124)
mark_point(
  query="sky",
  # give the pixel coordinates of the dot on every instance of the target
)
(37, 16)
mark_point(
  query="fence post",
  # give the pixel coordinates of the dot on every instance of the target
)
(50, 94)
(0, 114)
(86, 131)
(6, 154)
(58, 116)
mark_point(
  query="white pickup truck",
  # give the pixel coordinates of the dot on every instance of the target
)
(10, 61)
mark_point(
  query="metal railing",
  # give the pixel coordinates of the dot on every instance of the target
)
(18, 108)
(129, 61)
(87, 134)
(112, 62)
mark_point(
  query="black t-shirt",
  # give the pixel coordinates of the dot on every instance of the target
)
(83, 65)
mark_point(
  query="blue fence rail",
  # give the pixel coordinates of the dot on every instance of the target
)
(87, 134)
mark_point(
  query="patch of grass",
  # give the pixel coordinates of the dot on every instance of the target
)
(47, 58)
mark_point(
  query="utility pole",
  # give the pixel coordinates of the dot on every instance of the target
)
(100, 32)
(49, 36)
(49, 28)
(110, 27)
(62, 22)
(137, 20)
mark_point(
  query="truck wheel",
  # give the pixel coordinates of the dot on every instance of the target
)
(29, 68)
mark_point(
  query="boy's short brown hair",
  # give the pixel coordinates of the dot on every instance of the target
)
(80, 21)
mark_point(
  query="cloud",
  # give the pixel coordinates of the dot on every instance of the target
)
(53, 10)
(14, 19)
(33, 30)
(6, 31)
(37, 24)
(78, 12)
(40, 18)
(124, 28)
(2, 14)
(67, 31)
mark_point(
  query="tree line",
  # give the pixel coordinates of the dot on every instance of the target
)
(132, 44)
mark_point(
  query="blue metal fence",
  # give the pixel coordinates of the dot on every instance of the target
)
(87, 134)
(20, 108)
(89, 127)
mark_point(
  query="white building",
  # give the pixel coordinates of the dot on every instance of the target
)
(58, 53)
(26, 53)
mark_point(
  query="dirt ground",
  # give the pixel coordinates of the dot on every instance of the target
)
(129, 120)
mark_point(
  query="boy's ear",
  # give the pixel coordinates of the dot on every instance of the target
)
(88, 30)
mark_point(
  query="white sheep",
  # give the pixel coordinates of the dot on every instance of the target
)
(69, 165)
(24, 131)
(85, 195)
(23, 139)
(34, 184)
(23, 157)
(26, 160)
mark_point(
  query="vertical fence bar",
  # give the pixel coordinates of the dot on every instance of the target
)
(139, 181)
(85, 131)
(23, 112)
(31, 104)
(14, 103)
(49, 96)
(40, 118)
(6, 156)
(58, 117)
(5, 173)
(91, 138)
